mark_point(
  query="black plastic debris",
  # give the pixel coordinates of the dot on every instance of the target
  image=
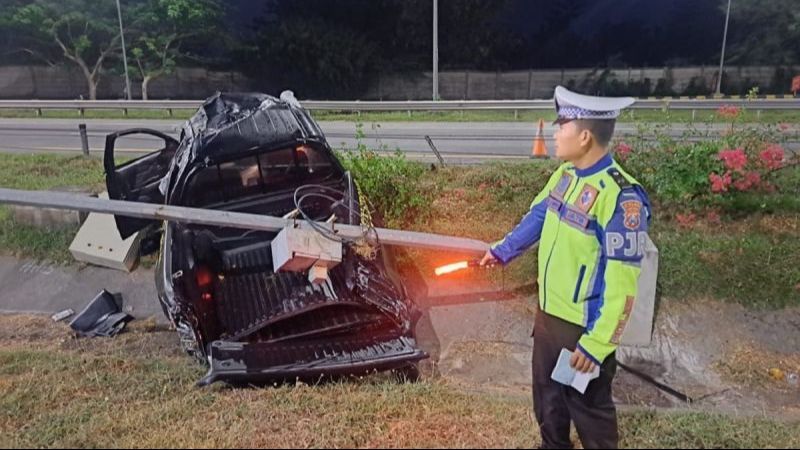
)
(103, 316)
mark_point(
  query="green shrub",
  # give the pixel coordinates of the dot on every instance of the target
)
(391, 183)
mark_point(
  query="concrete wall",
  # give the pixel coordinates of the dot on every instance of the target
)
(532, 84)
(66, 82)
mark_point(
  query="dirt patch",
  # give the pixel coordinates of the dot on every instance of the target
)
(139, 343)
(30, 328)
(720, 354)
(500, 364)
(631, 390)
(141, 338)
(752, 366)
(780, 224)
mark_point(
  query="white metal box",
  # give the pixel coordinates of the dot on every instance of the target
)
(98, 242)
(297, 250)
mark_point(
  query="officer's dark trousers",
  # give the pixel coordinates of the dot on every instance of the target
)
(554, 404)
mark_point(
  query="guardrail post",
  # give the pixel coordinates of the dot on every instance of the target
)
(80, 112)
(758, 114)
(169, 111)
(125, 112)
(435, 151)
(694, 114)
(84, 139)
(38, 112)
(516, 114)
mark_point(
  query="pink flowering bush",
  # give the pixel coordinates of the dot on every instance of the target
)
(622, 151)
(746, 171)
(729, 111)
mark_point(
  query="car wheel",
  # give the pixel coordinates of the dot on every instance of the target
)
(407, 374)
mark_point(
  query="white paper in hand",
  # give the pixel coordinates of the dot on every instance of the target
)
(566, 375)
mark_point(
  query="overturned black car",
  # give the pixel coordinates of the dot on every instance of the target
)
(250, 323)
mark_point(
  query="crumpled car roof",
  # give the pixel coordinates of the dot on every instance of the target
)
(228, 125)
(232, 123)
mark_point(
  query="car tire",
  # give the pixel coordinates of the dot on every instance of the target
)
(408, 374)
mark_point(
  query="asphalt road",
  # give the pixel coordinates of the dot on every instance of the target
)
(478, 140)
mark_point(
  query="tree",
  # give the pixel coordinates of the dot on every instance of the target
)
(319, 48)
(314, 58)
(324, 48)
(85, 32)
(764, 32)
(15, 43)
(398, 30)
(471, 36)
(159, 30)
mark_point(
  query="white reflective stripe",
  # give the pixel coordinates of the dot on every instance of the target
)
(633, 243)
(593, 278)
(590, 290)
(614, 242)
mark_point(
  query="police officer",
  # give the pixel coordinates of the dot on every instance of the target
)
(590, 222)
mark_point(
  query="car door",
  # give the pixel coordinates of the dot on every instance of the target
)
(137, 180)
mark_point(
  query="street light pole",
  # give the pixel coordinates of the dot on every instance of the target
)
(722, 57)
(435, 50)
(124, 54)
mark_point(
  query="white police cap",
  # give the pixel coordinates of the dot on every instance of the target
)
(572, 106)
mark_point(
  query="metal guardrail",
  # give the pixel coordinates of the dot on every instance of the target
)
(445, 105)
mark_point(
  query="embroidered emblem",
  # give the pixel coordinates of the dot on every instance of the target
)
(633, 210)
(587, 198)
(563, 184)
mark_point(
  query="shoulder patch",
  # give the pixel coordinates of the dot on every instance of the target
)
(620, 179)
(632, 210)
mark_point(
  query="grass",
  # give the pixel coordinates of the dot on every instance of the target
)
(43, 172)
(682, 116)
(752, 260)
(482, 202)
(136, 390)
(25, 241)
(758, 265)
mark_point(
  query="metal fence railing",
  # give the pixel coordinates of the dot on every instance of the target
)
(359, 106)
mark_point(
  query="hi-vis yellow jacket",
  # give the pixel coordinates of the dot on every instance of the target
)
(591, 227)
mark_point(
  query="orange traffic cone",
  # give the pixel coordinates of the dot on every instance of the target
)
(539, 150)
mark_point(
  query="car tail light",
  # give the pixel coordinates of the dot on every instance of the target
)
(205, 282)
